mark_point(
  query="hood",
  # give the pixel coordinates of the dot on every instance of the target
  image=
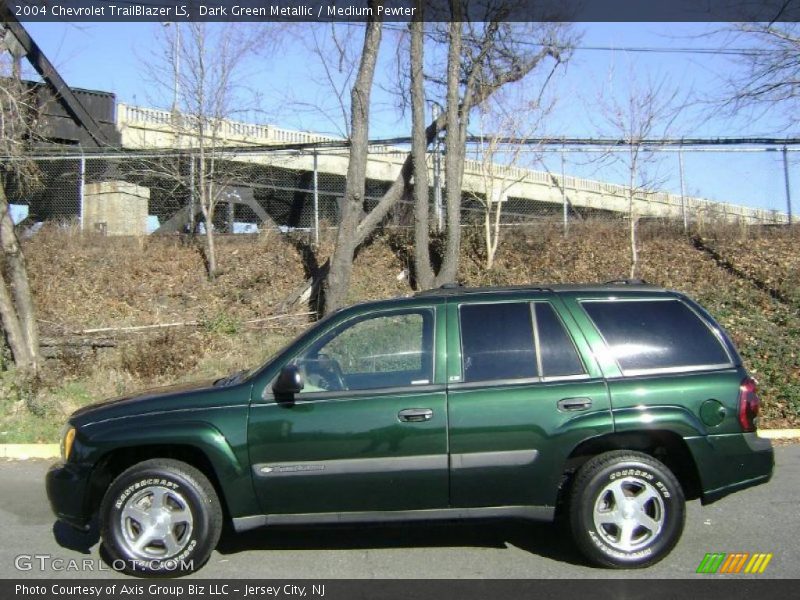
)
(159, 399)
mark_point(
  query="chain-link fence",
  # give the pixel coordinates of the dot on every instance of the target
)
(142, 193)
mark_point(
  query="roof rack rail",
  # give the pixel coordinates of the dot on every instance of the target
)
(627, 282)
(452, 289)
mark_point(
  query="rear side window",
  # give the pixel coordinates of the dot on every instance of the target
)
(497, 341)
(655, 334)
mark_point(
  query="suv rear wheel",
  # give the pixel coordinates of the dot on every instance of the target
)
(160, 517)
(627, 510)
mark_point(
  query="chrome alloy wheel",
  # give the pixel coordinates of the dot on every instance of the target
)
(156, 523)
(629, 514)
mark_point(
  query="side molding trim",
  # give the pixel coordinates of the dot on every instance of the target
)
(531, 513)
(428, 462)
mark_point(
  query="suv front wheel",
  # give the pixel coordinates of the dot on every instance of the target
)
(160, 517)
(627, 510)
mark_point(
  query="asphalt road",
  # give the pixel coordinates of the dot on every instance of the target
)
(761, 519)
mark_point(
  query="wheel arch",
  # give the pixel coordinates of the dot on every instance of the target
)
(666, 446)
(116, 461)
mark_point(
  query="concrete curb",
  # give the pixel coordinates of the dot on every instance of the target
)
(779, 434)
(50, 451)
(26, 451)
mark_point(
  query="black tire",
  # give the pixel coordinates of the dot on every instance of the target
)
(160, 517)
(637, 531)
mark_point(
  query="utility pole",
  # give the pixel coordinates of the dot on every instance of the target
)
(683, 192)
(316, 200)
(564, 193)
(176, 65)
(786, 181)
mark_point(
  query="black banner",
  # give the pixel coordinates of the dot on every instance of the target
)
(440, 589)
(405, 10)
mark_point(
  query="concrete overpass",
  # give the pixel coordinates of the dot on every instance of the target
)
(150, 129)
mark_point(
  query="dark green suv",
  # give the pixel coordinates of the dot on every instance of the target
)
(611, 404)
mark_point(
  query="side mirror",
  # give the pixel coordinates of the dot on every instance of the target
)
(289, 381)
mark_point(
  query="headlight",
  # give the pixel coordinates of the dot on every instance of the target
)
(67, 439)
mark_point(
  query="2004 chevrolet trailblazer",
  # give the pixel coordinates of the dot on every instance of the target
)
(612, 403)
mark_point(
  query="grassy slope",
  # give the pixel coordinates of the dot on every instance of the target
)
(96, 282)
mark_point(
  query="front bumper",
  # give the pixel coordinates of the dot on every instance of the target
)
(729, 463)
(67, 490)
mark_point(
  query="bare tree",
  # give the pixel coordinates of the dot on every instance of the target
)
(338, 281)
(17, 126)
(201, 66)
(480, 59)
(645, 110)
(769, 76)
(425, 276)
(502, 159)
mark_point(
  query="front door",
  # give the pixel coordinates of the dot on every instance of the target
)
(368, 430)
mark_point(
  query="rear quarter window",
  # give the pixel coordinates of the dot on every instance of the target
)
(645, 335)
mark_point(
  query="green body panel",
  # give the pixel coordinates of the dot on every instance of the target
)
(727, 463)
(674, 402)
(510, 443)
(212, 420)
(492, 444)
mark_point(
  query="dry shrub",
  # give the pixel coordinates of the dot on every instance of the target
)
(73, 362)
(164, 355)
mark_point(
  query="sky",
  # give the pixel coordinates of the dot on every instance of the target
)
(291, 86)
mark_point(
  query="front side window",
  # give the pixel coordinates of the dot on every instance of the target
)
(655, 334)
(392, 350)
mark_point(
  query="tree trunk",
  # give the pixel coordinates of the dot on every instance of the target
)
(493, 233)
(634, 251)
(633, 219)
(454, 159)
(211, 249)
(419, 144)
(487, 232)
(207, 208)
(12, 330)
(338, 280)
(16, 308)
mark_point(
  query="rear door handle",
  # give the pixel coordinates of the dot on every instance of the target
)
(414, 415)
(574, 404)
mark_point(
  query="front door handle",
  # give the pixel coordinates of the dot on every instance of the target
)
(574, 404)
(414, 415)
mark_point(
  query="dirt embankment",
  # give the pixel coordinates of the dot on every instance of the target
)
(87, 282)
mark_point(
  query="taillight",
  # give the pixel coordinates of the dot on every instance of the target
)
(749, 404)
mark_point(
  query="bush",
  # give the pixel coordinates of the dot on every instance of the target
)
(166, 354)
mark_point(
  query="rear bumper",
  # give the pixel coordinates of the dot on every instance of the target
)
(729, 463)
(67, 487)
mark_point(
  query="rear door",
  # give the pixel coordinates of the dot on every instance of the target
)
(522, 392)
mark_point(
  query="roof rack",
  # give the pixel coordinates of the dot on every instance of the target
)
(627, 282)
(452, 289)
